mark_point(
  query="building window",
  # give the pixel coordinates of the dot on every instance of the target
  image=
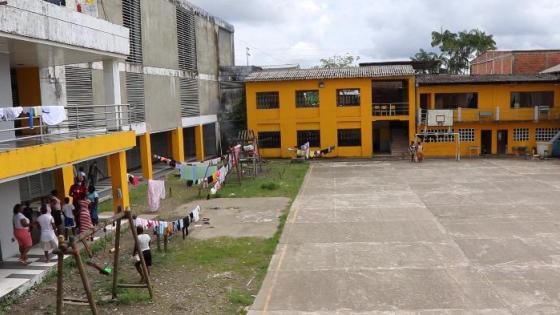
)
(532, 99)
(520, 134)
(545, 134)
(348, 97)
(466, 134)
(267, 100)
(349, 137)
(390, 92)
(455, 100)
(307, 98)
(439, 135)
(311, 136)
(270, 139)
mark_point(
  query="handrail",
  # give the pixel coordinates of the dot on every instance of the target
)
(389, 109)
(81, 121)
(499, 113)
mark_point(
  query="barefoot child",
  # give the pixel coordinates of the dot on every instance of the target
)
(144, 242)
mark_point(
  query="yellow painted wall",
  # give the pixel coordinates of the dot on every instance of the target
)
(21, 161)
(327, 117)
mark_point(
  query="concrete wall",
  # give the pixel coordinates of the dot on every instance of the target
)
(5, 93)
(206, 46)
(225, 46)
(9, 194)
(159, 34)
(111, 10)
(209, 97)
(162, 102)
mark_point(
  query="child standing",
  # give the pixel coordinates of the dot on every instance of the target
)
(144, 242)
(69, 221)
(48, 236)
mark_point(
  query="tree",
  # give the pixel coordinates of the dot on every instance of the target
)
(431, 61)
(458, 49)
(339, 61)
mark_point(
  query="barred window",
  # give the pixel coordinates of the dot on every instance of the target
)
(269, 139)
(311, 136)
(348, 97)
(307, 98)
(520, 134)
(466, 134)
(545, 134)
(439, 135)
(349, 137)
(267, 100)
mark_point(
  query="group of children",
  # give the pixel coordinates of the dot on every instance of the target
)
(56, 217)
(416, 151)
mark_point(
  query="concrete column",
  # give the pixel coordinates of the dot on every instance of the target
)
(9, 194)
(63, 179)
(119, 180)
(177, 145)
(5, 95)
(199, 142)
(146, 156)
(112, 87)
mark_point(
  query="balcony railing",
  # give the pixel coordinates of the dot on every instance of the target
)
(79, 122)
(537, 113)
(389, 109)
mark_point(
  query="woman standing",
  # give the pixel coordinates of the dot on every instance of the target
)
(21, 233)
(83, 214)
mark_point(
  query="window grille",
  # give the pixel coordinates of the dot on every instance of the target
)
(440, 135)
(189, 97)
(348, 97)
(132, 19)
(267, 100)
(186, 39)
(307, 98)
(520, 134)
(349, 137)
(311, 136)
(135, 96)
(79, 92)
(545, 134)
(269, 139)
(466, 134)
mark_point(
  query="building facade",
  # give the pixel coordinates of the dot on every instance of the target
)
(377, 110)
(152, 65)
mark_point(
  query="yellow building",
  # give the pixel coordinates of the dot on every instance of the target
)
(379, 109)
(361, 111)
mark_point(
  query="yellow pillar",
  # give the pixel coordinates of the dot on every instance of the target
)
(146, 156)
(177, 145)
(119, 180)
(199, 142)
(64, 178)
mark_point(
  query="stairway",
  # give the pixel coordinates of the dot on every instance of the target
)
(399, 143)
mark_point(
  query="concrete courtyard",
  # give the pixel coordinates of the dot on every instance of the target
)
(441, 237)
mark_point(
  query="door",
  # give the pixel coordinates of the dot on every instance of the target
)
(486, 142)
(502, 141)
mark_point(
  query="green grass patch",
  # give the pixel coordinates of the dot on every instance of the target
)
(241, 298)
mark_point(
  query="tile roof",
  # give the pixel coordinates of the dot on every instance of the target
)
(333, 73)
(434, 79)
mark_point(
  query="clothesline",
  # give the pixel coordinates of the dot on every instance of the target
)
(168, 228)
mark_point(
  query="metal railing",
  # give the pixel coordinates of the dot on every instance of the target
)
(497, 113)
(389, 109)
(82, 121)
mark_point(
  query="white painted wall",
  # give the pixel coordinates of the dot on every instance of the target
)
(5, 94)
(9, 194)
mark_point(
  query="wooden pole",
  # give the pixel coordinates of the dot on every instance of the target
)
(85, 281)
(60, 275)
(142, 261)
(116, 258)
(157, 241)
(165, 238)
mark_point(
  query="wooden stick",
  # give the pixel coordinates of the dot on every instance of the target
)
(157, 241)
(85, 281)
(86, 247)
(165, 239)
(101, 226)
(116, 258)
(60, 275)
(140, 254)
(136, 285)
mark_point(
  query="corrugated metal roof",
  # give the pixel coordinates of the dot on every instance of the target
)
(333, 73)
(554, 69)
(435, 79)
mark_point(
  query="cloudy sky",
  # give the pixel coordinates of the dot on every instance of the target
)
(304, 31)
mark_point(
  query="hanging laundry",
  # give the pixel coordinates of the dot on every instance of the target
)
(53, 115)
(156, 192)
(10, 113)
(196, 214)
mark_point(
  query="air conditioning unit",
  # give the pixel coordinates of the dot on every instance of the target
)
(440, 117)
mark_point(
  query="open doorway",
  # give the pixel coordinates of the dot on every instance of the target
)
(502, 141)
(486, 142)
(390, 137)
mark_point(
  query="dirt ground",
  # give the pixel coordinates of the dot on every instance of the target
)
(188, 279)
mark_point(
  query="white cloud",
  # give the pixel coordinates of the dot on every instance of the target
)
(304, 31)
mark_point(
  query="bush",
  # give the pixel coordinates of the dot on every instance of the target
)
(270, 186)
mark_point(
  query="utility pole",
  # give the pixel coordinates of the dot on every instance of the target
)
(248, 54)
